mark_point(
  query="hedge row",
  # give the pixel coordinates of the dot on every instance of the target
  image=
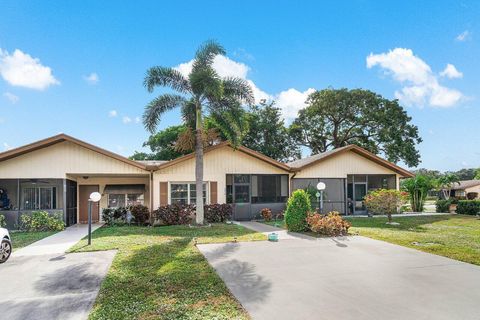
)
(175, 214)
(471, 207)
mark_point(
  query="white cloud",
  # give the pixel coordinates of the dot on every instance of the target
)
(126, 119)
(451, 72)
(420, 85)
(291, 101)
(137, 119)
(11, 97)
(464, 36)
(92, 78)
(20, 69)
(224, 66)
(112, 113)
(6, 146)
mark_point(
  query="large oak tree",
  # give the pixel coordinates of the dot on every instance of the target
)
(335, 118)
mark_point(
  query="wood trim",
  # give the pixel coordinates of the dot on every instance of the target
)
(163, 193)
(364, 153)
(213, 192)
(62, 138)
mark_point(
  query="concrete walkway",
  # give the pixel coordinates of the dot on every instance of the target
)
(58, 243)
(344, 278)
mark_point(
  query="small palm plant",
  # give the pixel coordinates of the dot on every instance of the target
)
(202, 92)
(445, 184)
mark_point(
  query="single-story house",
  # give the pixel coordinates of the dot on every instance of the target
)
(58, 174)
(466, 189)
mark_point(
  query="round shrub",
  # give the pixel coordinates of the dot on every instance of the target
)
(443, 205)
(266, 214)
(298, 206)
(331, 224)
(140, 213)
(217, 212)
(470, 207)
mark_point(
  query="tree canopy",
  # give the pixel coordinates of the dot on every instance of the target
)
(267, 133)
(334, 118)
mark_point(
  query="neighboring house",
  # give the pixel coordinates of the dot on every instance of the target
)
(58, 174)
(466, 189)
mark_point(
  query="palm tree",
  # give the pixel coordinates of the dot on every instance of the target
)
(445, 183)
(202, 92)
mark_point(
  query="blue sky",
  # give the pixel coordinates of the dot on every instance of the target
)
(77, 67)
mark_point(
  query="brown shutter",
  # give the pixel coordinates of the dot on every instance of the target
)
(213, 192)
(163, 193)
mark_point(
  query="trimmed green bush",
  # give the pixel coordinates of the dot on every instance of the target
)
(443, 205)
(41, 221)
(3, 222)
(298, 206)
(471, 207)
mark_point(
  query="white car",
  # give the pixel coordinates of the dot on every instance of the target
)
(5, 245)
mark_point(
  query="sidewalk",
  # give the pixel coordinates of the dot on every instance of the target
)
(266, 229)
(57, 243)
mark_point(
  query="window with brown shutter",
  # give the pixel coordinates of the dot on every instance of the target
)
(163, 193)
(213, 192)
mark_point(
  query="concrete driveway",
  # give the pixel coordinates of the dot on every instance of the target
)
(52, 286)
(345, 278)
(40, 281)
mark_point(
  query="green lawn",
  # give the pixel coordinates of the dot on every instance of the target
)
(453, 236)
(159, 274)
(23, 239)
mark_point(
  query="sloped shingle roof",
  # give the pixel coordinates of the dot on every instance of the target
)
(464, 184)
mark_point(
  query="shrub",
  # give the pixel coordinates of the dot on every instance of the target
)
(3, 222)
(120, 214)
(140, 213)
(331, 224)
(266, 214)
(385, 201)
(174, 214)
(41, 221)
(217, 212)
(108, 216)
(297, 207)
(443, 205)
(471, 207)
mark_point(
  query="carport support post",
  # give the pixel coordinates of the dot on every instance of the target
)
(89, 222)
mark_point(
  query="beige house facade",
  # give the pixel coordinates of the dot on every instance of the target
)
(57, 174)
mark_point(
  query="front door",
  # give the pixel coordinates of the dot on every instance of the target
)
(360, 191)
(84, 195)
(241, 197)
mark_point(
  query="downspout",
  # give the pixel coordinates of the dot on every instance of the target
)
(151, 198)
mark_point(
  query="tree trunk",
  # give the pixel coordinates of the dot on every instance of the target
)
(199, 167)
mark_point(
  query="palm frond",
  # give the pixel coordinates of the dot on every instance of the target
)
(206, 53)
(158, 106)
(189, 113)
(166, 77)
(239, 89)
(231, 123)
(206, 82)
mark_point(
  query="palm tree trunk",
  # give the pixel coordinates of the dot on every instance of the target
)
(199, 166)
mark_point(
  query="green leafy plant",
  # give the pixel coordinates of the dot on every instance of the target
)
(217, 212)
(3, 222)
(298, 206)
(108, 216)
(417, 188)
(445, 183)
(41, 221)
(331, 224)
(266, 214)
(385, 201)
(470, 207)
(442, 205)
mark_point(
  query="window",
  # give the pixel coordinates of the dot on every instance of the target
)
(185, 193)
(269, 188)
(39, 198)
(118, 200)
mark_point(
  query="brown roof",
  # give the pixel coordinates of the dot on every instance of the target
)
(155, 165)
(305, 162)
(464, 184)
(246, 150)
(62, 138)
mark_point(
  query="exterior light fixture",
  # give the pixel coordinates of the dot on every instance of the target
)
(94, 197)
(320, 187)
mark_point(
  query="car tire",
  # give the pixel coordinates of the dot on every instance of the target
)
(5, 250)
